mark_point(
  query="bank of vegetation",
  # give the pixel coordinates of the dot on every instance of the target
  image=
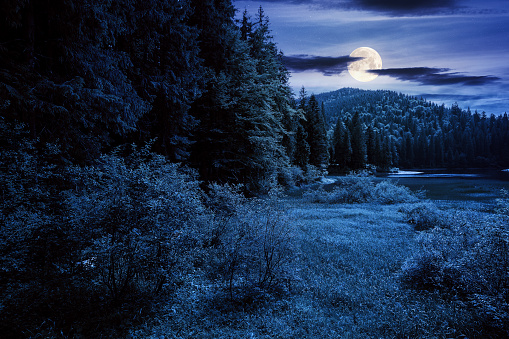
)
(388, 129)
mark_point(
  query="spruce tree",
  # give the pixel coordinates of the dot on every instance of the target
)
(341, 145)
(240, 138)
(358, 142)
(317, 135)
(301, 147)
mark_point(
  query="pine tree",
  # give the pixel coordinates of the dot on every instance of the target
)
(301, 148)
(317, 135)
(358, 142)
(241, 132)
(371, 147)
(342, 148)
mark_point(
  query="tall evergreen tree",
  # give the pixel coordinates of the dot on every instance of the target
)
(301, 147)
(358, 142)
(341, 145)
(317, 136)
(241, 132)
(371, 147)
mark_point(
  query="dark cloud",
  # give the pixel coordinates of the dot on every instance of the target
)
(395, 7)
(405, 5)
(326, 65)
(435, 76)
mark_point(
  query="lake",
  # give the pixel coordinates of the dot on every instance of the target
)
(469, 184)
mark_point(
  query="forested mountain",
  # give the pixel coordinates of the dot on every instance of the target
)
(389, 129)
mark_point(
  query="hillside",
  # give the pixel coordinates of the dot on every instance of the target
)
(404, 131)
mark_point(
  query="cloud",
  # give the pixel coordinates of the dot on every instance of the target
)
(326, 65)
(435, 76)
(394, 7)
(405, 5)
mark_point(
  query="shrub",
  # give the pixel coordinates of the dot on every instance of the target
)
(253, 242)
(140, 219)
(318, 195)
(291, 176)
(503, 203)
(424, 216)
(469, 260)
(360, 188)
(354, 189)
(82, 260)
(387, 192)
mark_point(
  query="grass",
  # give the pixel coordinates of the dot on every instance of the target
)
(345, 285)
(369, 260)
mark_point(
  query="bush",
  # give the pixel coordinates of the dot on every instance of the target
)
(252, 242)
(468, 260)
(140, 220)
(354, 189)
(387, 192)
(292, 176)
(318, 195)
(129, 229)
(425, 216)
(360, 188)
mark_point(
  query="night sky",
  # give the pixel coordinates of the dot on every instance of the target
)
(444, 50)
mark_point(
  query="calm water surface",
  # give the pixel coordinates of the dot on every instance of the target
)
(473, 184)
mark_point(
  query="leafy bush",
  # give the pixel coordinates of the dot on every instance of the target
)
(252, 242)
(140, 219)
(129, 229)
(318, 195)
(292, 176)
(360, 188)
(469, 260)
(353, 189)
(387, 192)
(425, 216)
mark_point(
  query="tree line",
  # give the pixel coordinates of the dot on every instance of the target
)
(388, 129)
(209, 89)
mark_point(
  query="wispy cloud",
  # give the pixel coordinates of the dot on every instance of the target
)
(405, 6)
(435, 76)
(326, 65)
(395, 7)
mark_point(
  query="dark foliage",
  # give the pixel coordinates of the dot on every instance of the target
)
(465, 258)
(387, 129)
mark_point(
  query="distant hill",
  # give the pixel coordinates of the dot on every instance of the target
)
(399, 130)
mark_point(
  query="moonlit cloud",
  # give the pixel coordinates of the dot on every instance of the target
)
(394, 7)
(406, 4)
(326, 65)
(435, 76)
(406, 7)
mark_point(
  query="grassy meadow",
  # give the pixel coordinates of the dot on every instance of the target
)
(364, 266)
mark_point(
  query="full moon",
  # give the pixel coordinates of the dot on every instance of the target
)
(371, 60)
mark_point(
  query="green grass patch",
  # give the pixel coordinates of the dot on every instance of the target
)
(346, 283)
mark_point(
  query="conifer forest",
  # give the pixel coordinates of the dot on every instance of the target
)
(159, 178)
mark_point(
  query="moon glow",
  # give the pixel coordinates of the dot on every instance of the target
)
(371, 60)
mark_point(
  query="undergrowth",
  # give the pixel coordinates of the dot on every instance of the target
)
(360, 188)
(466, 258)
